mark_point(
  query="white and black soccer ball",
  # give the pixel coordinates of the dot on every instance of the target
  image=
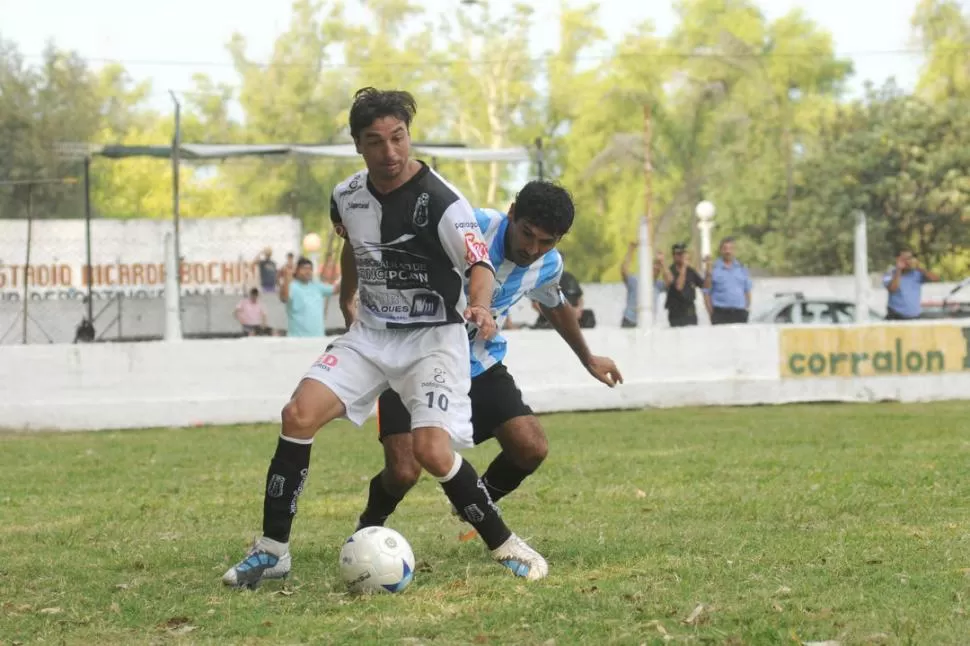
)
(376, 559)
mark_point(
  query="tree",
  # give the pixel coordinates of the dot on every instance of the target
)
(902, 161)
(943, 31)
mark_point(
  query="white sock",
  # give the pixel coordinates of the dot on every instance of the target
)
(273, 547)
(453, 471)
(296, 440)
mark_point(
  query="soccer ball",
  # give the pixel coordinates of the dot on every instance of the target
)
(376, 559)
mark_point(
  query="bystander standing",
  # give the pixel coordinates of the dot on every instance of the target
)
(681, 280)
(905, 284)
(631, 283)
(304, 298)
(727, 287)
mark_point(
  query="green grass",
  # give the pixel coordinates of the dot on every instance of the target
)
(787, 524)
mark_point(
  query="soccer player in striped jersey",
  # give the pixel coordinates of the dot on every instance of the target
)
(527, 265)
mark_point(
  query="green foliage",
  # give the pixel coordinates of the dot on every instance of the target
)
(745, 111)
(899, 159)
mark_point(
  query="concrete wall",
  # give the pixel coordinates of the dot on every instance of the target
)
(133, 385)
(55, 320)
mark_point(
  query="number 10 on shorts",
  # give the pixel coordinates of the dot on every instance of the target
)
(441, 400)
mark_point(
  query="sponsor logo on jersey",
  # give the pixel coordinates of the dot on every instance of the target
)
(465, 225)
(352, 187)
(393, 275)
(425, 305)
(476, 250)
(354, 206)
(392, 306)
(420, 215)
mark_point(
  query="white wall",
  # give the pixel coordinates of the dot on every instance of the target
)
(100, 386)
(212, 313)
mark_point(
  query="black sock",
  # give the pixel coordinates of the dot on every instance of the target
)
(470, 498)
(284, 484)
(503, 477)
(381, 503)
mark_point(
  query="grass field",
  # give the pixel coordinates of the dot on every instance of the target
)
(712, 526)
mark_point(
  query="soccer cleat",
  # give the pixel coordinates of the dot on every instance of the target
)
(522, 560)
(263, 562)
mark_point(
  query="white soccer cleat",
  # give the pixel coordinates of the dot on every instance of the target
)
(268, 559)
(520, 559)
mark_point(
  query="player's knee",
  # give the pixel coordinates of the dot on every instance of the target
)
(530, 445)
(403, 475)
(433, 451)
(299, 419)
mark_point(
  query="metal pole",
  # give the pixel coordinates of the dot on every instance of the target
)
(176, 150)
(540, 170)
(648, 166)
(30, 228)
(861, 269)
(87, 234)
(645, 298)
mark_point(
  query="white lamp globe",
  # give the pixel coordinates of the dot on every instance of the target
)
(312, 242)
(705, 211)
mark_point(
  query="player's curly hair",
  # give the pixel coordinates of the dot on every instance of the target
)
(371, 104)
(546, 205)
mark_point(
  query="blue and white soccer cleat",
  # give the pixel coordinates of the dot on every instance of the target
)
(520, 559)
(268, 559)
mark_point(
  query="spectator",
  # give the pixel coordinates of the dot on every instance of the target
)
(267, 270)
(304, 298)
(631, 283)
(905, 285)
(681, 280)
(727, 288)
(573, 293)
(251, 314)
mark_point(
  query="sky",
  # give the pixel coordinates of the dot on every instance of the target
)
(167, 42)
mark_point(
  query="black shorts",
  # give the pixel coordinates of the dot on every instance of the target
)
(495, 400)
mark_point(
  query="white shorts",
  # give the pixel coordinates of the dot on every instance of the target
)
(428, 367)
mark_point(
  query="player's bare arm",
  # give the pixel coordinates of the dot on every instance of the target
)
(348, 284)
(564, 321)
(481, 285)
(286, 277)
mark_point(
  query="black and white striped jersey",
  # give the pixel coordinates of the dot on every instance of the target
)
(413, 248)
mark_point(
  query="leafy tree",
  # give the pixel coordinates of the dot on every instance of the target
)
(902, 161)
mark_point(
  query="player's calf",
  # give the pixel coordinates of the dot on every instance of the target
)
(387, 489)
(311, 406)
(524, 448)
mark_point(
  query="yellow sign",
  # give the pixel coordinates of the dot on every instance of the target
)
(874, 351)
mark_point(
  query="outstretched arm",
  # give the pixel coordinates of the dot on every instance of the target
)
(565, 322)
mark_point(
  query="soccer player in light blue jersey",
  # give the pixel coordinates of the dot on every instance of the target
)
(527, 265)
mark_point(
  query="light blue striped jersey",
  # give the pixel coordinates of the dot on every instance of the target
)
(539, 282)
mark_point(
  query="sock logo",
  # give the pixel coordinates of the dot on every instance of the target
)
(488, 497)
(473, 514)
(275, 487)
(299, 490)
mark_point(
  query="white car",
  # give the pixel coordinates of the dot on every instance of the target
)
(798, 310)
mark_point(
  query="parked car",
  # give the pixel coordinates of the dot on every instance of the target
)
(949, 307)
(795, 309)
